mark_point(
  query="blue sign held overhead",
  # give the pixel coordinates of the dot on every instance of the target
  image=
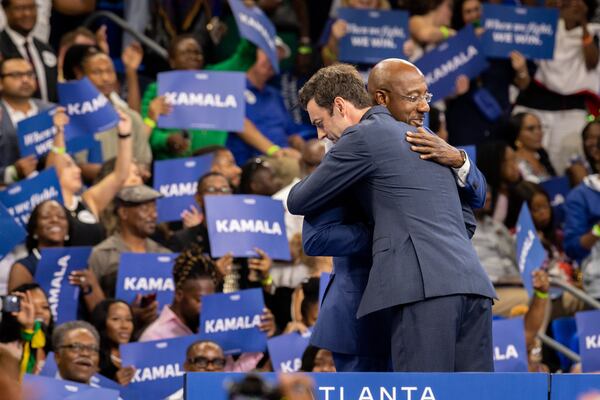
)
(22, 197)
(89, 110)
(531, 255)
(460, 55)
(255, 26)
(52, 274)
(373, 35)
(528, 30)
(177, 181)
(588, 329)
(241, 223)
(203, 100)
(36, 134)
(145, 274)
(510, 351)
(233, 319)
(286, 351)
(11, 233)
(557, 189)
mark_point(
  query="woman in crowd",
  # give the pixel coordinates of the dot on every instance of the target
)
(525, 133)
(315, 359)
(114, 321)
(590, 163)
(29, 330)
(429, 24)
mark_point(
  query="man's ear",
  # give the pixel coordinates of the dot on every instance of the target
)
(122, 214)
(339, 104)
(381, 97)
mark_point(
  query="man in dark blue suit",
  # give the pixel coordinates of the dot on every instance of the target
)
(425, 273)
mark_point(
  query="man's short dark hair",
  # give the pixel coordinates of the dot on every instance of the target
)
(205, 177)
(339, 80)
(5, 60)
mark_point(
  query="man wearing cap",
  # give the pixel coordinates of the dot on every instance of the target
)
(135, 207)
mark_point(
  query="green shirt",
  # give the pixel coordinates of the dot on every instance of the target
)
(242, 60)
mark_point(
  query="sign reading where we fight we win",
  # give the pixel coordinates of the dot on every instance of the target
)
(52, 274)
(387, 386)
(510, 352)
(372, 35)
(459, 55)
(177, 181)
(36, 134)
(89, 110)
(233, 320)
(158, 366)
(145, 274)
(531, 255)
(203, 100)
(11, 233)
(255, 26)
(588, 329)
(528, 30)
(241, 223)
(21, 198)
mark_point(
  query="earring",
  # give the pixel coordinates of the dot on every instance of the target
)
(35, 236)
(67, 237)
(518, 144)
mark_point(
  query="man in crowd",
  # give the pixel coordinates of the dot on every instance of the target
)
(76, 351)
(17, 40)
(17, 86)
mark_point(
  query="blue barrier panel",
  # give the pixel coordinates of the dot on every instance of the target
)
(397, 386)
(575, 387)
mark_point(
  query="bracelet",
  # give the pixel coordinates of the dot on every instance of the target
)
(58, 150)
(272, 150)
(587, 40)
(150, 122)
(540, 295)
(124, 135)
(267, 281)
(87, 291)
(445, 32)
(305, 49)
(596, 230)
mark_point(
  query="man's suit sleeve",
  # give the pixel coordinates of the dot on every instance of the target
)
(468, 216)
(473, 193)
(345, 164)
(325, 234)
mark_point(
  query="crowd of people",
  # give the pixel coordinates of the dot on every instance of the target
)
(547, 128)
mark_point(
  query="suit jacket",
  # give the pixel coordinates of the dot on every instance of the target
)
(9, 49)
(9, 143)
(420, 246)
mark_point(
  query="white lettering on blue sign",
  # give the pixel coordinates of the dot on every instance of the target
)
(406, 393)
(592, 342)
(248, 225)
(451, 65)
(87, 107)
(148, 283)
(291, 365)
(525, 250)
(178, 189)
(254, 24)
(520, 33)
(39, 136)
(55, 284)
(157, 372)
(200, 99)
(510, 352)
(231, 324)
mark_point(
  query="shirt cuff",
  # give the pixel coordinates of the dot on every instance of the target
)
(461, 173)
(10, 174)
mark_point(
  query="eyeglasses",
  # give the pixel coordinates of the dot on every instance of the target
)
(19, 75)
(213, 189)
(413, 99)
(202, 362)
(80, 348)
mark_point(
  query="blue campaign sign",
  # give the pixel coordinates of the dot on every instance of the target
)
(372, 35)
(575, 387)
(39, 387)
(531, 255)
(528, 30)
(144, 274)
(36, 134)
(159, 366)
(177, 180)
(471, 151)
(241, 223)
(203, 100)
(459, 55)
(510, 351)
(286, 351)
(11, 233)
(385, 386)
(52, 274)
(588, 329)
(89, 110)
(233, 319)
(255, 26)
(21, 198)
(557, 189)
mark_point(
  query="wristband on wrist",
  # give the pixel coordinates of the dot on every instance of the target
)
(267, 281)
(445, 32)
(596, 230)
(540, 295)
(58, 150)
(305, 49)
(150, 122)
(87, 291)
(272, 150)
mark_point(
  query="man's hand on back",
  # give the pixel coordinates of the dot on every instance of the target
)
(433, 148)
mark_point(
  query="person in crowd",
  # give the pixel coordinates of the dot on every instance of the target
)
(10, 385)
(258, 177)
(114, 321)
(135, 207)
(17, 40)
(17, 88)
(563, 86)
(223, 163)
(536, 318)
(76, 351)
(85, 207)
(42, 24)
(525, 134)
(590, 162)
(30, 329)
(305, 306)
(429, 24)
(81, 35)
(315, 359)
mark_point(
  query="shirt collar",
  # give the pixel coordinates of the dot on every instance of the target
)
(16, 37)
(375, 110)
(17, 116)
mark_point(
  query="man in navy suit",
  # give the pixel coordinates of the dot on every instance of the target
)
(425, 272)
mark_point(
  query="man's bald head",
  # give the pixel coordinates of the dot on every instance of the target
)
(385, 72)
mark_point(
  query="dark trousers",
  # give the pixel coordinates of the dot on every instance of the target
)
(443, 334)
(354, 363)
